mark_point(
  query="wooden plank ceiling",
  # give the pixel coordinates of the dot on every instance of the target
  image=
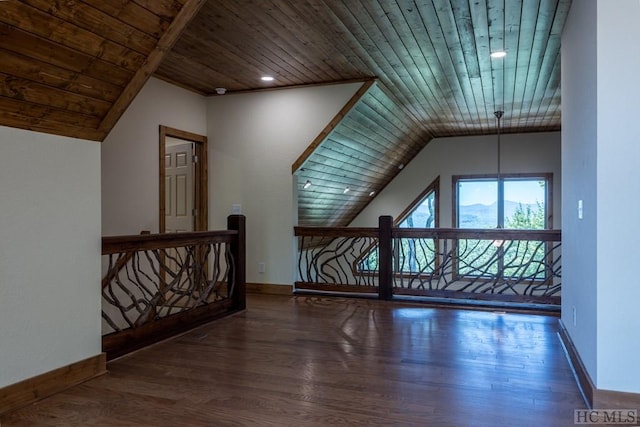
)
(431, 59)
(72, 67)
(433, 55)
(363, 152)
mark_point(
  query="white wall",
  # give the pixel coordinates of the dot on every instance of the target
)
(130, 186)
(49, 252)
(601, 101)
(254, 138)
(579, 139)
(618, 191)
(444, 157)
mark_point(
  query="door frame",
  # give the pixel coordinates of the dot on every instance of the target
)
(200, 180)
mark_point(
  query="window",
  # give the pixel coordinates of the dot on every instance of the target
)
(412, 255)
(423, 211)
(513, 202)
(418, 255)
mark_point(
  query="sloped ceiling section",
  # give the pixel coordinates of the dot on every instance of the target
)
(362, 150)
(72, 67)
(431, 58)
(434, 56)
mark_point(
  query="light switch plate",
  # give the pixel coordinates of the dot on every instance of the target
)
(579, 209)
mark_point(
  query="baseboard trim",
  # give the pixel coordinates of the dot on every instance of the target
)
(579, 370)
(32, 389)
(594, 397)
(269, 289)
(616, 399)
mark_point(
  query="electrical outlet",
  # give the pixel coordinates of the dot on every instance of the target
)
(262, 267)
(575, 317)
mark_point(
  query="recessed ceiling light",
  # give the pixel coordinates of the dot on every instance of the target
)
(307, 184)
(267, 78)
(498, 54)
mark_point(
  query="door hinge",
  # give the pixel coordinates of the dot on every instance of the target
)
(195, 159)
(194, 212)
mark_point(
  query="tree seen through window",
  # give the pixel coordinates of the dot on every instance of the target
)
(412, 255)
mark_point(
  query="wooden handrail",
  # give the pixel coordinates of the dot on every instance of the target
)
(433, 233)
(479, 234)
(117, 244)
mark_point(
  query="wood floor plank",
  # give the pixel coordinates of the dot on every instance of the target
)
(315, 361)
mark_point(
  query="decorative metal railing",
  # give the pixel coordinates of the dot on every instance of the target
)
(161, 284)
(328, 257)
(504, 265)
(520, 266)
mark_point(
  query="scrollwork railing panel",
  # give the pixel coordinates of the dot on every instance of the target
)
(158, 283)
(503, 265)
(518, 270)
(155, 286)
(328, 262)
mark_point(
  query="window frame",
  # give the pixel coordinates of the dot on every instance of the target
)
(455, 179)
(434, 186)
(548, 203)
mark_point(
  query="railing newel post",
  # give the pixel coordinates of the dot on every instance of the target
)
(238, 252)
(385, 261)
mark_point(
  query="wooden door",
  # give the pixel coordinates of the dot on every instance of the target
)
(197, 163)
(179, 186)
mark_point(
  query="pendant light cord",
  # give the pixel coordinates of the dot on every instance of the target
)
(499, 115)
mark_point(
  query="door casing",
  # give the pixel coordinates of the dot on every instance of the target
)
(200, 180)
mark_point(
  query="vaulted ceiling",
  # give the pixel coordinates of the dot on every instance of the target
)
(433, 55)
(72, 68)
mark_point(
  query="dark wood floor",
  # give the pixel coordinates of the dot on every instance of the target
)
(309, 361)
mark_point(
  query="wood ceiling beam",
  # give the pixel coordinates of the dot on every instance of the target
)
(167, 40)
(332, 124)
